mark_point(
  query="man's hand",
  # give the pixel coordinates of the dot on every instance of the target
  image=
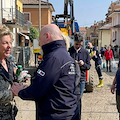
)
(81, 63)
(112, 89)
(16, 87)
(23, 76)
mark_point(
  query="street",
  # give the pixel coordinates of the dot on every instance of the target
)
(97, 105)
(100, 104)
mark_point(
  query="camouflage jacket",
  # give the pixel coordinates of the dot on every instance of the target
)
(6, 80)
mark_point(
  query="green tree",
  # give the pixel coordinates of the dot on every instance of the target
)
(34, 33)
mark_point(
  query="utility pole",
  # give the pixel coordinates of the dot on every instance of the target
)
(1, 12)
(39, 15)
(39, 30)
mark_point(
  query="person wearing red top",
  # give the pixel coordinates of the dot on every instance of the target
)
(108, 55)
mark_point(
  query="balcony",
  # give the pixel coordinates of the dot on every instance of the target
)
(26, 28)
(94, 36)
(116, 26)
(12, 17)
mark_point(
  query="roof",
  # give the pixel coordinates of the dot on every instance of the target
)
(105, 27)
(82, 29)
(36, 2)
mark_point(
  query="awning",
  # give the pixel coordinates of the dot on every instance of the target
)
(26, 37)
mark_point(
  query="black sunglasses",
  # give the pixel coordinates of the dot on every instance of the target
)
(77, 44)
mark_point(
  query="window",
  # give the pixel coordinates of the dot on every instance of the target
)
(115, 34)
(113, 21)
(27, 16)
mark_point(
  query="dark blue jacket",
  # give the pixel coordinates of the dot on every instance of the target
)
(81, 55)
(53, 85)
(118, 81)
(96, 58)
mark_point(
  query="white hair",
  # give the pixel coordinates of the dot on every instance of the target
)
(67, 40)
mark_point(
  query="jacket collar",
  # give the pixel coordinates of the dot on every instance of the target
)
(78, 50)
(47, 48)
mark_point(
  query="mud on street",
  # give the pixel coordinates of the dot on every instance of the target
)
(97, 105)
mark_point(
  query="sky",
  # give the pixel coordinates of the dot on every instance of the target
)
(85, 11)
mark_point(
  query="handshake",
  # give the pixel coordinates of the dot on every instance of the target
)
(23, 76)
(18, 86)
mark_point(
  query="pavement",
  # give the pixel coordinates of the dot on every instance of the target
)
(100, 104)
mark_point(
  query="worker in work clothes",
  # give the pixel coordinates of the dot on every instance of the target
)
(94, 54)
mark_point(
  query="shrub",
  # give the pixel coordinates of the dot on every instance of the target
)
(34, 33)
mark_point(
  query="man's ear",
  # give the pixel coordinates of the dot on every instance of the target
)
(48, 36)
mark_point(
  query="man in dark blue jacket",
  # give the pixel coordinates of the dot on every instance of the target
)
(53, 84)
(116, 86)
(82, 57)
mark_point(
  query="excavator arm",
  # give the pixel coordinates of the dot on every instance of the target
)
(68, 18)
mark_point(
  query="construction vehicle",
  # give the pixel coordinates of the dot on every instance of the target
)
(68, 26)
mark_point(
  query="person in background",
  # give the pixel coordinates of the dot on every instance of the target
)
(67, 41)
(53, 85)
(102, 51)
(81, 56)
(108, 56)
(116, 85)
(94, 54)
(8, 111)
(112, 50)
(39, 58)
(105, 47)
(78, 74)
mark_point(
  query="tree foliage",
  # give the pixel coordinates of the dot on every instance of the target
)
(34, 33)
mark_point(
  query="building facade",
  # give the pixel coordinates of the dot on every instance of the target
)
(83, 32)
(104, 36)
(114, 14)
(32, 12)
(12, 16)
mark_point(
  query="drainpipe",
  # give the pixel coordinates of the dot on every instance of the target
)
(16, 28)
(12, 12)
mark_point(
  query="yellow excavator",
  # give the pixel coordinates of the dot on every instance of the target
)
(67, 25)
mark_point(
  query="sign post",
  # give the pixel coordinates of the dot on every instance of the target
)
(36, 48)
